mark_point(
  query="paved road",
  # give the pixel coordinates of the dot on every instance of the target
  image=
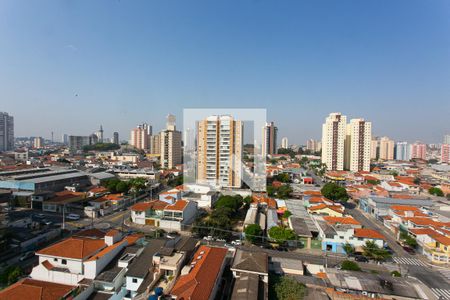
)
(373, 224)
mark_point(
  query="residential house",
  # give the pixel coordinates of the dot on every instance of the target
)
(200, 280)
(328, 210)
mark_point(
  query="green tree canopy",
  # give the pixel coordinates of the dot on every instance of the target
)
(436, 191)
(233, 202)
(285, 288)
(350, 266)
(253, 233)
(334, 192)
(281, 235)
(348, 248)
(101, 147)
(371, 250)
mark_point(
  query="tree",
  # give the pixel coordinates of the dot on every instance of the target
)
(233, 202)
(436, 191)
(334, 192)
(11, 275)
(253, 233)
(281, 235)
(111, 184)
(416, 180)
(396, 274)
(287, 214)
(350, 266)
(122, 187)
(374, 182)
(409, 240)
(394, 173)
(284, 191)
(348, 248)
(283, 177)
(371, 250)
(137, 184)
(285, 288)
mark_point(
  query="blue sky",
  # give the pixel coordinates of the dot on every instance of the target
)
(131, 61)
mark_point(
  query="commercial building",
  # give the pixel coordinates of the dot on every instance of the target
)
(140, 136)
(99, 135)
(374, 148)
(357, 145)
(402, 151)
(116, 138)
(219, 151)
(445, 153)
(333, 137)
(77, 142)
(269, 145)
(418, 150)
(284, 143)
(386, 148)
(6, 132)
(170, 145)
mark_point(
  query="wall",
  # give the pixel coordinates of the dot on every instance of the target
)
(138, 217)
(75, 266)
(131, 285)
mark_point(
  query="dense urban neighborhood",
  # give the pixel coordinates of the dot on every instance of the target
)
(93, 218)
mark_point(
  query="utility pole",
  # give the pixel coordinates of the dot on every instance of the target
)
(64, 221)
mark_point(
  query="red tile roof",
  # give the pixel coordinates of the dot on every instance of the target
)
(336, 208)
(424, 231)
(341, 220)
(180, 205)
(199, 283)
(404, 207)
(442, 240)
(133, 238)
(106, 250)
(112, 232)
(154, 204)
(76, 248)
(31, 289)
(47, 265)
(368, 233)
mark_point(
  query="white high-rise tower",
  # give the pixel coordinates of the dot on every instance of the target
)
(333, 137)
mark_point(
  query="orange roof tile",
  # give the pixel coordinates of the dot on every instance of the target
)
(341, 220)
(368, 233)
(336, 208)
(199, 283)
(180, 205)
(442, 240)
(424, 231)
(154, 204)
(106, 250)
(133, 238)
(316, 193)
(47, 265)
(112, 232)
(404, 207)
(77, 248)
(31, 289)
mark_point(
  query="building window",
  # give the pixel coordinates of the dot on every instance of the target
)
(134, 280)
(64, 261)
(55, 259)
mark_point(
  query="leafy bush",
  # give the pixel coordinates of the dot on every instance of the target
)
(436, 191)
(350, 266)
(396, 274)
(281, 235)
(285, 288)
(253, 232)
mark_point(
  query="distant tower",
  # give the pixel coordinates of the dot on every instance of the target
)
(52, 137)
(284, 143)
(170, 123)
(101, 134)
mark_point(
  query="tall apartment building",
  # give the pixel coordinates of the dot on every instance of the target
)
(140, 136)
(284, 143)
(447, 139)
(357, 145)
(77, 142)
(333, 137)
(375, 148)
(170, 145)
(418, 150)
(269, 141)
(313, 145)
(65, 139)
(38, 142)
(219, 151)
(402, 151)
(155, 144)
(386, 148)
(445, 153)
(6, 132)
(116, 138)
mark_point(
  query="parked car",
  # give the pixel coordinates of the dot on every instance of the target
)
(40, 216)
(361, 258)
(73, 217)
(236, 242)
(46, 222)
(409, 250)
(26, 255)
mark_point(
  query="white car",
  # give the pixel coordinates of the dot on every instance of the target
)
(73, 217)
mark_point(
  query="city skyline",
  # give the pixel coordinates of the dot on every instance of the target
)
(384, 63)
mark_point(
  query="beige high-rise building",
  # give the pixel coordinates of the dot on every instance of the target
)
(387, 148)
(333, 137)
(38, 142)
(155, 144)
(357, 145)
(219, 151)
(269, 142)
(140, 136)
(170, 145)
(284, 143)
(313, 145)
(374, 149)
